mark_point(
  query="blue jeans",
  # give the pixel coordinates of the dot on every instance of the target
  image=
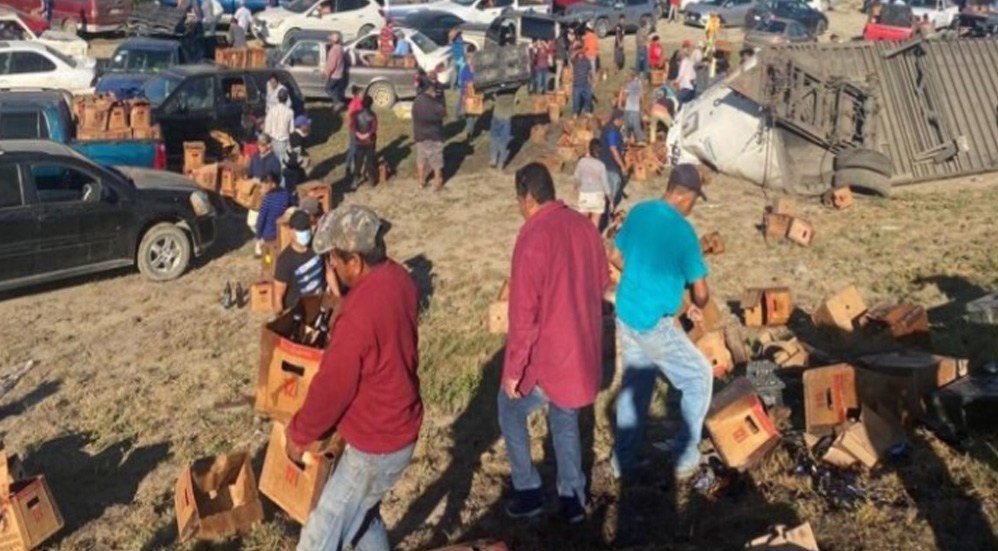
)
(500, 134)
(582, 100)
(632, 124)
(616, 183)
(642, 61)
(540, 83)
(665, 348)
(563, 424)
(347, 511)
(335, 88)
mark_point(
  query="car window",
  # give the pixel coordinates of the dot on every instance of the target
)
(195, 94)
(57, 183)
(10, 30)
(160, 88)
(369, 43)
(10, 187)
(423, 42)
(24, 125)
(498, 3)
(795, 30)
(771, 26)
(146, 61)
(29, 62)
(304, 54)
(348, 5)
(4, 63)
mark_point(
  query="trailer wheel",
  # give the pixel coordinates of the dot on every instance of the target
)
(863, 180)
(866, 159)
(382, 95)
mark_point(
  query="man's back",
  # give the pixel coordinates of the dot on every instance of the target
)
(427, 118)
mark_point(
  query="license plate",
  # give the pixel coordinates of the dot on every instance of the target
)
(115, 11)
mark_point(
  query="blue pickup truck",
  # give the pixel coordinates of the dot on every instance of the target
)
(47, 115)
(136, 60)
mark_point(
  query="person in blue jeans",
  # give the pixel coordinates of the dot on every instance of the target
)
(582, 83)
(466, 77)
(660, 257)
(501, 128)
(612, 154)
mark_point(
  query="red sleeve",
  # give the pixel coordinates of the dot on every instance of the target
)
(524, 305)
(333, 388)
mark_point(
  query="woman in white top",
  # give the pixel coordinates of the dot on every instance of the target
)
(593, 185)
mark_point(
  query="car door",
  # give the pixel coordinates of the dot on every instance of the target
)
(18, 228)
(738, 10)
(305, 63)
(365, 48)
(632, 10)
(33, 70)
(239, 90)
(490, 9)
(79, 219)
(189, 112)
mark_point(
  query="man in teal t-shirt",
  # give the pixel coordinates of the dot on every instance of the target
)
(660, 257)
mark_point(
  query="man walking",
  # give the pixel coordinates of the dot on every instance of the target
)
(687, 76)
(298, 162)
(554, 346)
(428, 114)
(641, 45)
(582, 83)
(501, 129)
(658, 251)
(335, 81)
(279, 123)
(613, 155)
(364, 127)
(299, 271)
(367, 391)
(618, 44)
(631, 104)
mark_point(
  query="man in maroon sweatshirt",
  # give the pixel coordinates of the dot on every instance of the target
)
(366, 388)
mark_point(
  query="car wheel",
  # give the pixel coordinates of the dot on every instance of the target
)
(866, 159)
(382, 95)
(820, 28)
(164, 253)
(602, 27)
(364, 30)
(864, 180)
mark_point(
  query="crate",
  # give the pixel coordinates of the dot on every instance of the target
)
(193, 155)
(140, 115)
(474, 104)
(256, 58)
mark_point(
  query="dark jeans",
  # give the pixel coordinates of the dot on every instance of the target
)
(582, 100)
(365, 164)
(642, 61)
(541, 75)
(335, 88)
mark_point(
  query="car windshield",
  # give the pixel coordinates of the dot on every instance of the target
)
(160, 88)
(465, 3)
(62, 57)
(775, 27)
(145, 61)
(299, 6)
(423, 42)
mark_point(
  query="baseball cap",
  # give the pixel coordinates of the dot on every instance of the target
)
(687, 176)
(300, 220)
(350, 228)
(687, 43)
(302, 120)
(311, 206)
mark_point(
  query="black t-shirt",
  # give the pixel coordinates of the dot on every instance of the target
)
(303, 272)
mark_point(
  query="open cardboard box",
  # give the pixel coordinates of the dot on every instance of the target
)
(829, 395)
(739, 426)
(216, 497)
(292, 487)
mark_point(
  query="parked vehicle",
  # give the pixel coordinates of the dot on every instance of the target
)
(47, 115)
(941, 13)
(893, 22)
(975, 25)
(351, 18)
(15, 26)
(189, 101)
(772, 32)
(434, 23)
(34, 20)
(89, 16)
(62, 215)
(605, 13)
(31, 65)
(485, 11)
(226, 8)
(136, 60)
(429, 55)
(732, 12)
(813, 20)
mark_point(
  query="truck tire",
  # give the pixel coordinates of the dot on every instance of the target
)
(382, 95)
(164, 252)
(866, 159)
(864, 180)
(602, 27)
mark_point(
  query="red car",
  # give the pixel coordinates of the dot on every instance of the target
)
(90, 16)
(893, 22)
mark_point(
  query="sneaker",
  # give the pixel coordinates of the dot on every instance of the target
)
(571, 510)
(525, 504)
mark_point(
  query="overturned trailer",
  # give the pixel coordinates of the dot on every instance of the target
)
(871, 115)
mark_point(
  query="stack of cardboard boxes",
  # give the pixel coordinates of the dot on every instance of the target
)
(102, 117)
(28, 511)
(241, 58)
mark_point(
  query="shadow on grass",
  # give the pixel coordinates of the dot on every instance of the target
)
(27, 401)
(421, 269)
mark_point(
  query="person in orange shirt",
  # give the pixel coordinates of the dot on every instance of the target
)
(590, 46)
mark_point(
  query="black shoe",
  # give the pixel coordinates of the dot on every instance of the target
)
(571, 510)
(525, 504)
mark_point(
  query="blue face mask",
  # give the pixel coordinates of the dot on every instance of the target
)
(303, 237)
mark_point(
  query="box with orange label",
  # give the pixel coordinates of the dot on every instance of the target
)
(292, 487)
(29, 515)
(739, 426)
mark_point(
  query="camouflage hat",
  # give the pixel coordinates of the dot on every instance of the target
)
(351, 228)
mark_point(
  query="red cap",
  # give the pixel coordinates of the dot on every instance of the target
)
(687, 43)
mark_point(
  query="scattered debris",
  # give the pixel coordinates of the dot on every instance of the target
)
(801, 232)
(800, 538)
(901, 321)
(787, 353)
(839, 198)
(770, 306)
(712, 243)
(776, 226)
(762, 375)
(739, 426)
(843, 310)
(216, 497)
(829, 396)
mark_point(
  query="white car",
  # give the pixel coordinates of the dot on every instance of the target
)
(12, 27)
(474, 11)
(428, 54)
(351, 18)
(941, 13)
(31, 65)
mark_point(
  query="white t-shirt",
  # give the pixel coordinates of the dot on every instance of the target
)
(243, 17)
(687, 74)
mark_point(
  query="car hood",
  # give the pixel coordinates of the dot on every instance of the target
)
(270, 15)
(157, 180)
(128, 83)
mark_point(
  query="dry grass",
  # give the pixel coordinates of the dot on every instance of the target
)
(131, 373)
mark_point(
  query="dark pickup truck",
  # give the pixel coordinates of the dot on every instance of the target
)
(62, 215)
(136, 60)
(46, 115)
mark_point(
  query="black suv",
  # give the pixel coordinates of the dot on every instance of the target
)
(61, 215)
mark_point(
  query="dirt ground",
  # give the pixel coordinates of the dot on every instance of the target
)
(135, 379)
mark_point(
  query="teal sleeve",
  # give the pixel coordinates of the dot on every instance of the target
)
(694, 266)
(622, 238)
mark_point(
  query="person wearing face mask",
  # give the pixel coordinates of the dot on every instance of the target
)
(299, 271)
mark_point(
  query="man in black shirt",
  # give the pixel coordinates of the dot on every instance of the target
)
(299, 270)
(428, 114)
(297, 163)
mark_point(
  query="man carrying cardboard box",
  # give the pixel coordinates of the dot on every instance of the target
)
(659, 255)
(364, 390)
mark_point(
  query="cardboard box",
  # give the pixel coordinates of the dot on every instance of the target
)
(206, 177)
(234, 58)
(539, 134)
(739, 426)
(554, 111)
(737, 345)
(284, 232)
(322, 191)
(193, 156)
(11, 469)
(140, 116)
(229, 174)
(800, 538)
(801, 232)
(869, 439)
(829, 396)
(256, 58)
(927, 372)
(248, 194)
(658, 78)
(715, 348)
(286, 367)
(900, 320)
(474, 104)
(712, 319)
(117, 117)
(769, 306)
(29, 513)
(789, 353)
(95, 116)
(292, 487)
(499, 311)
(712, 243)
(541, 104)
(216, 497)
(842, 310)
(838, 198)
(776, 225)
(262, 299)
(150, 133)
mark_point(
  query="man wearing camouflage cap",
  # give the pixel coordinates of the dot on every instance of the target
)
(366, 388)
